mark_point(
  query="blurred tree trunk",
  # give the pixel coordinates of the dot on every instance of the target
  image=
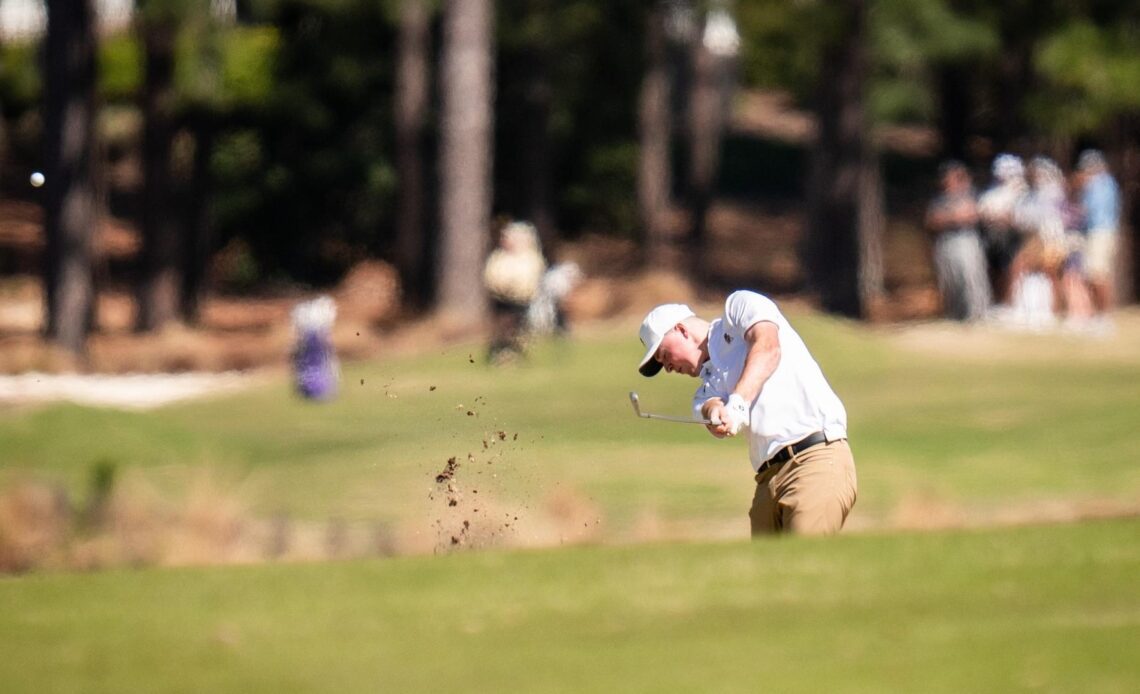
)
(872, 228)
(205, 111)
(70, 216)
(197, 236)
(842, 255)
(159, 282)
(535, 139)
(709, 101)
(654, 172)
(954, 110)
(3, 135)
(465, 161)
(1128, 279)
(412, 85)
(1015, 77)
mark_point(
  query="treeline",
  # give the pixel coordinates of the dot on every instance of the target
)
(303, 135)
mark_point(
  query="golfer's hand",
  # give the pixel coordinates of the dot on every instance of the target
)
(735, 414)
(719, 430)
(717, 412)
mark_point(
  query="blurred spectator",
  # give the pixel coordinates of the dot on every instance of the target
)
(1041, 214)
(995, 209)
(512, 276)
(1034, 273)
(316, 370)
(1100, 200)
(546, 313)
(1076, 300)
(959, 259)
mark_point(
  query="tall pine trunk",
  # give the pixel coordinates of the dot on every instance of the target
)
(69, 143)
(535, 141)
(3, 136)
(1014, 80)
(654, 173)
(197, 235)
(872, 229)
(843, 255)
(1128, 177)
(412, 83)
(708, 106)
(465, 158)
(954, 110)
(159, 277)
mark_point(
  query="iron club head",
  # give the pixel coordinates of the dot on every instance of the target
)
(636, 403)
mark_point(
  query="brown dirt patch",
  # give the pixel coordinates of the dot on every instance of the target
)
(998, 343)
(924, 512)
(773, 114)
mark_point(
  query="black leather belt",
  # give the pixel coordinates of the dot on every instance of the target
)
(790, 451)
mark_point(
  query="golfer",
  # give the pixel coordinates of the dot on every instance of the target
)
(758, 376)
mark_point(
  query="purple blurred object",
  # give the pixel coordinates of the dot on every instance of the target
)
(315, 367)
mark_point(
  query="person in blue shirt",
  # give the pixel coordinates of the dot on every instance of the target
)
(1100, 200)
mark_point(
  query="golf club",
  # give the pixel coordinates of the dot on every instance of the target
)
(648, 415)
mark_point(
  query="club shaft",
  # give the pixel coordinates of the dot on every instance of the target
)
(636, 402)
(681, 420)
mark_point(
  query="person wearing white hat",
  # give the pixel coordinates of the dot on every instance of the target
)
(996, 212)
(758, 376)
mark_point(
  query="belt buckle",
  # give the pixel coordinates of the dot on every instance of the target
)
(775, 460)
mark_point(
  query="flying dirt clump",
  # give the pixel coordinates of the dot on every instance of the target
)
(449, 471)
(447, 476)
(460, 523)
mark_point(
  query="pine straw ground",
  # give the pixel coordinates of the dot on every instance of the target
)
(750, 246)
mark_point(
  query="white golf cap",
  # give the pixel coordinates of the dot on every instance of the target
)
(653, 329)
(1008, 167)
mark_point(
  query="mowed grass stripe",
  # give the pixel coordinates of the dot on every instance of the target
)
(966, 432)
(1051, 608)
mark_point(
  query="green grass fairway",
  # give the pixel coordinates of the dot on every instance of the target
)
(971, 427)
(1048, 608)
(987, 422)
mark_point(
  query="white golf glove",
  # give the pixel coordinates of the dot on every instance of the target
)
(736, 410)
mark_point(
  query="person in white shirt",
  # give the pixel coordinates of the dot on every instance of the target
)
(758, 376)
(996, 212)
(512, 276)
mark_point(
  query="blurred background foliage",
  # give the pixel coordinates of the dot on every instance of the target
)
(299, 94)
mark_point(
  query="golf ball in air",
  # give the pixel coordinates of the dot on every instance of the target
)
(37, 179)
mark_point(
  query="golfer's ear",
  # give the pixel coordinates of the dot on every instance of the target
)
(680, 327)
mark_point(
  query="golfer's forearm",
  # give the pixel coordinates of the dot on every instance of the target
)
(757, 370)
(763, 358)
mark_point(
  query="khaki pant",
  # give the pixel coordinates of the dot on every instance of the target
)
(1100, 255)
(810, 494)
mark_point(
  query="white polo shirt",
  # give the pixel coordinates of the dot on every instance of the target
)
(795, 402)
